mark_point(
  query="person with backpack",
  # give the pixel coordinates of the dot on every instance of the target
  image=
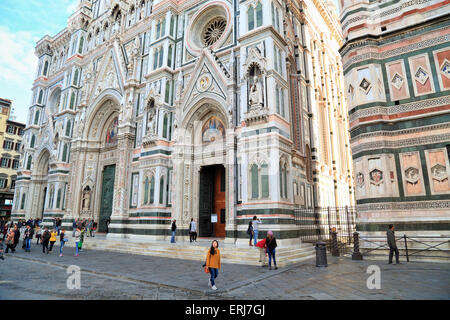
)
(271, 244)
(213, 263)
(262, 251)
(1, 248)
(80, 244)
(53, 236)
(45, 239)
(174, 229)
(77, 240)
(62, 241)
(250, 233)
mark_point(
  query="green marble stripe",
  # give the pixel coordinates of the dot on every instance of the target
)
(150, 214)
(284, 234)
(139, 221)
(59, 171)
(402, 125)
(23, 178)
(262, 212)
(399, 150)
(148, 153)
(403, 101)
(428, 197)
(266, 221)
(404, 226)
(265, 130)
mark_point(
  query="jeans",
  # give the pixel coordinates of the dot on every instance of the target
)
(262, 256)
(172, 240)
(27, 244)
(391, 253)
(256, 236)
(271, 255)
(214, 273)
(61, 246)
(76, 248)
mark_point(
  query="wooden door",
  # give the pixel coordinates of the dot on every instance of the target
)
(219, 201)
(107, 196)
(206, 202)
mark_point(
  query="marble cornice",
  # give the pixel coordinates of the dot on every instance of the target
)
(261, 30)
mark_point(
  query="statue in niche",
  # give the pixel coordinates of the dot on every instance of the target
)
(86, 203)
(256, 97)
(151, 122)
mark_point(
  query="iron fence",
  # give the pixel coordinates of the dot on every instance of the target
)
(318, 224)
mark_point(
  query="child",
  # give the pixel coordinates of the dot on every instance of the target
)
(38, 234)
(53, 236)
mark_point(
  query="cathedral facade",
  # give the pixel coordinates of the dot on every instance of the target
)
(148, 111)
(396, 60)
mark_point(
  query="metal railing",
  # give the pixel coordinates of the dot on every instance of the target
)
(319, 224)
(402, 245)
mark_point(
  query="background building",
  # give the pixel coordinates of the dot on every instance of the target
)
(396, 60)
(147, 111)
(11, 133)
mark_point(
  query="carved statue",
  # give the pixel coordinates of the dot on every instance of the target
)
(151, 122)
(142, 13)
(81, 123)
(256, 92)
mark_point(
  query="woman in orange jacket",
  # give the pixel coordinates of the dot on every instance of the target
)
(213, 263)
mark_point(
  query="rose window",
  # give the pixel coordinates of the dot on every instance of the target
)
(213, 31)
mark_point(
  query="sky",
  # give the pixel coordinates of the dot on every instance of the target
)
(23, 23)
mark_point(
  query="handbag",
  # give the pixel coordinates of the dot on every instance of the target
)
(206, 269)
(65, 239)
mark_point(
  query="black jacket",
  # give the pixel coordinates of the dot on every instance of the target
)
(46, 236)
(271, 244)
(174, 226)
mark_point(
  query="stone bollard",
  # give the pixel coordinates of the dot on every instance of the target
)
(321, 254)
(334, 244)
(356, 254)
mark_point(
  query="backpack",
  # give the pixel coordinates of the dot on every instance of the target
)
(249, 230)
(46, 236)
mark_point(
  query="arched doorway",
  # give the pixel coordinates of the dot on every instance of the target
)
(40, 177)
(96, 187)
(205, 171)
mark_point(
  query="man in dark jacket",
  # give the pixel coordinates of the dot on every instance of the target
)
(45, 239)
(392, 244)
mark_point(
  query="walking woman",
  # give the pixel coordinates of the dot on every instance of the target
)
(174, 229)
(250, 233)
(62, 241)
(38, 234)
(77, 240)
(213, 263)
(271, 244)
(53, 236)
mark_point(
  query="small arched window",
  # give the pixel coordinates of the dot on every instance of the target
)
(58, 198)
(68, 127)
(259, 15)
(161, 190)
(45, 68)
(22, 204)
(165, 124)
(36, 117)
(251, 18)
(72, 100)
(255, 182)
(152, 190)
(146, 186)
(265, 180)
(75, 77)
(41, 95)
(65, 150)
(33, 141)
(29, 162)
(80, 48)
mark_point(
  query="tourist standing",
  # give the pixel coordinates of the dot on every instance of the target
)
(262, 251)
(174, 229)
(213, 263)
(62, 241)
(80, 244)
(1, 249)
(256, 221)
(193, 230)
(392, 244)
(250, 233)
(94, 228)
(77, 240)
(45, 239)
(16, 236)
(271, 244)
(38, 234)
(28, 237)
(53, 236)
(10, 241)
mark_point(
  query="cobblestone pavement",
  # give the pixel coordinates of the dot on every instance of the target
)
(110, 275)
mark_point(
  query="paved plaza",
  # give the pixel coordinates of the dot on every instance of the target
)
(110, 275)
